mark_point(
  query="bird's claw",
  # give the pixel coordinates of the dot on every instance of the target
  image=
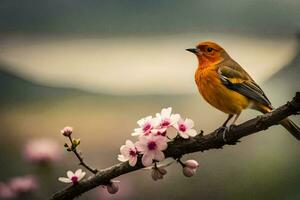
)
(222, 132)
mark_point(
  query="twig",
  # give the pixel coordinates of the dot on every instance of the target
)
(80, 158)
(179, 147)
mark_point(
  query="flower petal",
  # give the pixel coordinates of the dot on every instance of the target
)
(158, 117)
(189, 123)
(124, 150)
(192, 132)
(81, 176)
(141, 122)
(183, 135)
(140, 146)
(78, 172)
(70, 174)
(147, 158)
(161, 142)
(143, 139)
(122, 158)
(129, 143)
(155, 122)
(132, 161)
(136, 132)
(159, 155)
(64, 180)
(148, 118)
(176, 126)
(166, 112)
(159, 130)
(174, 118)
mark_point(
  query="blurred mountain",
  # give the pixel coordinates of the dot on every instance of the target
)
(17, 88)
(14, 88)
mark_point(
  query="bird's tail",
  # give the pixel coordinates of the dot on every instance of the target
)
(291, 127)
(288, 124)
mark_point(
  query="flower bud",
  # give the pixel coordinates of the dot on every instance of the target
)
(113, 187)
(191, 164)
(6, 192)
(190, 167)
(75, 143)
(67, 131)
(158, 173)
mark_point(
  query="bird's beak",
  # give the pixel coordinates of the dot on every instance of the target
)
(193, 50)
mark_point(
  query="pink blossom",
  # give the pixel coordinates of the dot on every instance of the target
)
(42, 151)
(151, 147)
(22, 185)
(158, 173)
(166, 119)
(190, 167)
(184, 128)
(67, 131)
(6, 192)
(146, 126)
(72, 177)
(128, 153)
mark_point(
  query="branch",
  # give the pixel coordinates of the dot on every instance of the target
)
(79, 156)
(179, 147)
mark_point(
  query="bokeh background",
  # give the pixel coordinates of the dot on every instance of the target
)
(99, 66)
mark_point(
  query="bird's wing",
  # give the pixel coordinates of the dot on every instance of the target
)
(235, 78)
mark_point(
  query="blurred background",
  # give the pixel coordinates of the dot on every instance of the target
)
(99, 66)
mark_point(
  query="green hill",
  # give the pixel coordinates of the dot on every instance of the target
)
(14, 88)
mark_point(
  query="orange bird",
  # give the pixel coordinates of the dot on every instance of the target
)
(225, 85)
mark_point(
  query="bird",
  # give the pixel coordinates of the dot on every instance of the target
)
(225, 85)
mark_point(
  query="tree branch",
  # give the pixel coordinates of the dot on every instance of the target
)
(80, 158)
(179, 147)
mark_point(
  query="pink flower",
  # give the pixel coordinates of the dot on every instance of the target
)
(166, 119)
(67, 131)
(146, 125)
(128, 153)
(184, 128)
(190, 167)
(72, 177)
(151, 147)
(113, 187)
(42, 151)
(6, 192)
(23, 185)
(158, 173)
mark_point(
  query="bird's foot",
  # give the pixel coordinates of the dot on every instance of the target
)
(222, 131)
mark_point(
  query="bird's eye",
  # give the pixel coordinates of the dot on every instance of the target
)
(209, 49)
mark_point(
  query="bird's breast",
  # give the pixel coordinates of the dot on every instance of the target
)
(207, 80)
(215, 93)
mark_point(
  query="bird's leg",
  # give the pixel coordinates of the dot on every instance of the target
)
(227, 120)
(235, 118)
(223, 129)
(227, 129)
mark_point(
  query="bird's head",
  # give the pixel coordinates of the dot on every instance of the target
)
(209, 52)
